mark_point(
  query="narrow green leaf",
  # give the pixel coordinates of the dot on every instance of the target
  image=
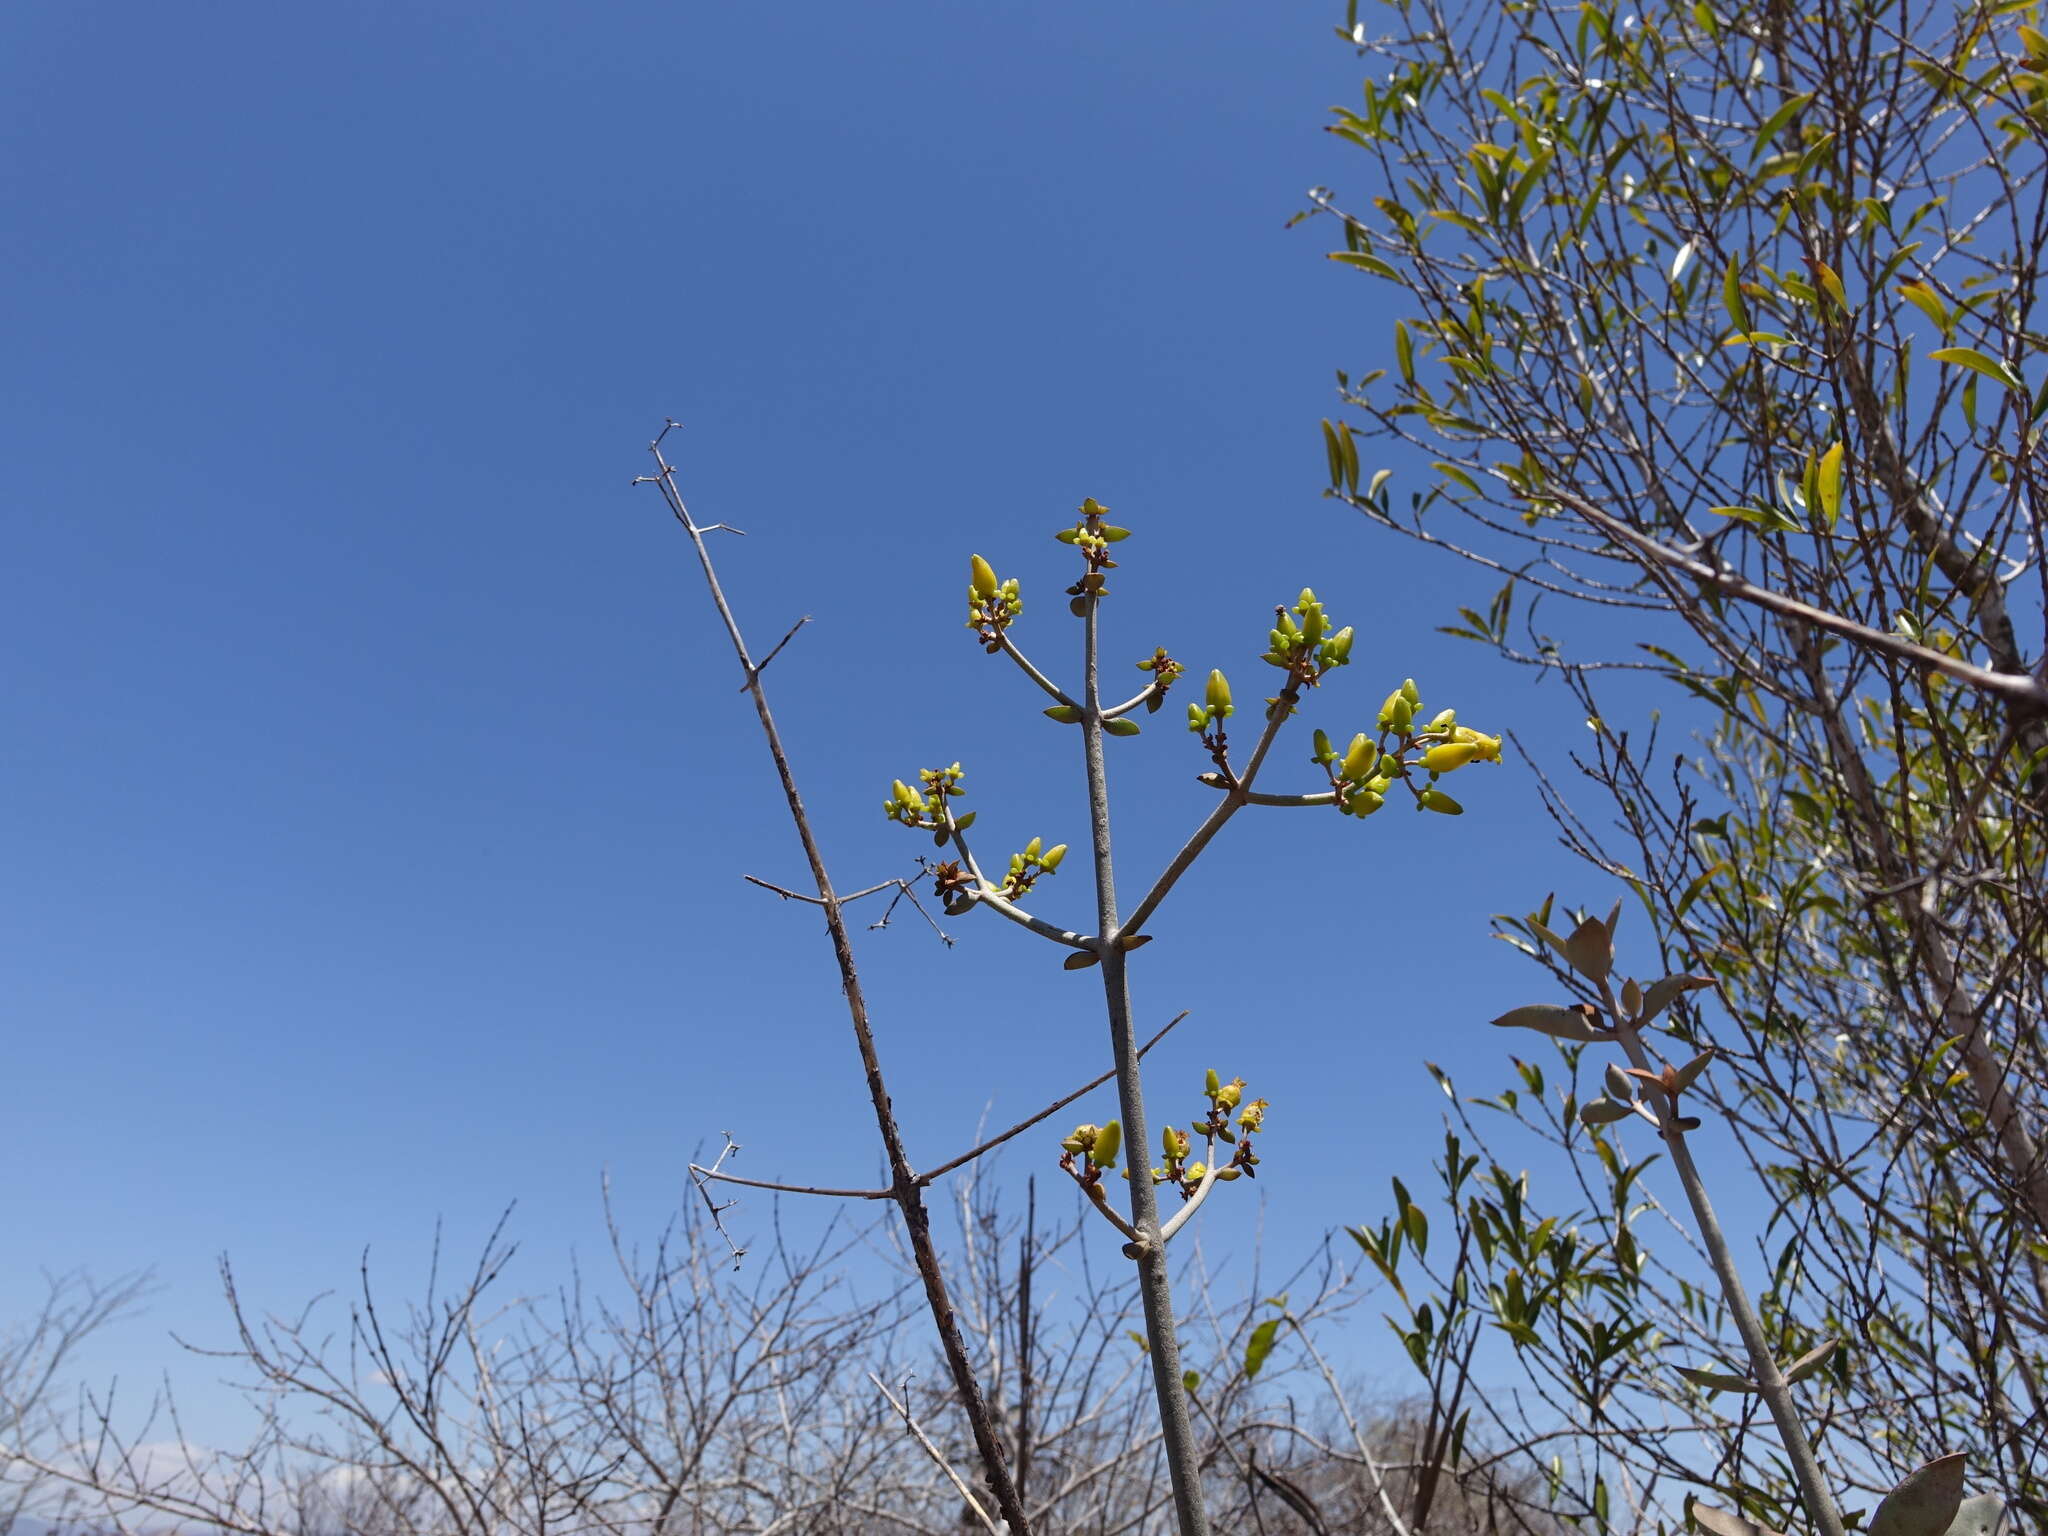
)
(1775, 122)
(1260, 1346)
(1977, 362)
(1452, 472)
(1366, 263)
(1731, 297)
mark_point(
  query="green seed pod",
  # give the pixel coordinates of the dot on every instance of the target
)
(982, 578)
(1107, 1140)
(1450, 757)
(1359, 759)
(1218, 693)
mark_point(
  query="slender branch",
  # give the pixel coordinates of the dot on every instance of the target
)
(1770, 1380)
(790, 1189)
(1155, 1287)
(989, 895)
(1051, 1109)
(2014, 687)
(1052, 688)
(1234, 801)
(907, 1192)
(1120, 710)
(844, 901)
(930, 1176)
(1180, 1217)
(909, 1423)
(1251, 797)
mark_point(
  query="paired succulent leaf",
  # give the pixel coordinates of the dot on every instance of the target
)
(1719, 1522)
(1577, 1022)
(1925, 1502)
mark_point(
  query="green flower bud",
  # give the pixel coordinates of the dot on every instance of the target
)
(1337, 649)
(1398, 713)
(1033, 848)
(1226, 1175)
(1081, 1138)
(1195, 1172)
(1218, 693)
(1050, 859)
(1443, 720)
(1107, 1140)
(1436, 800)
(1198, 718)
(1450, 757)
(1411, 693)
(1359, 759)
(1325, 754)
(982, 578)
(1363, 802)
(1174, 1143)
(1212, 1085)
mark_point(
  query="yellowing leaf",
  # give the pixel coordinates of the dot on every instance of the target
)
(1827, 484)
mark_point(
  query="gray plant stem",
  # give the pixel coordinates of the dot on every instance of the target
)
(1763, 1365)
(1155, 1288)
(905, 1188)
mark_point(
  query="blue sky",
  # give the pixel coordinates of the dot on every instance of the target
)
(376, 791)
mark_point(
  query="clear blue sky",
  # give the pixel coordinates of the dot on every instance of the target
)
(375, 791)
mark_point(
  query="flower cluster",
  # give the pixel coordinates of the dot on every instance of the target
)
(925, 809)
(1363, 774)
(992, 605)
(1302, 643)
(1092, 535)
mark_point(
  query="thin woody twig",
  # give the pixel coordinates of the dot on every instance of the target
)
(926, 1179)
(906, 1192)
(762, 665)
(911, 1424)
(1051, 1109)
